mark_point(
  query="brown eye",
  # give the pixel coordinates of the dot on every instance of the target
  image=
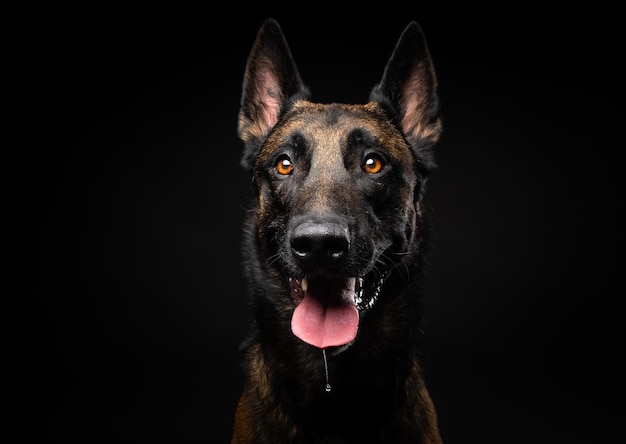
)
(372, 164)
(284, 166)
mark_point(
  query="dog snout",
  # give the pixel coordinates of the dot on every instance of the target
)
(319, 244)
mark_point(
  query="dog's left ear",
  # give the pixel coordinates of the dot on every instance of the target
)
(271, 82)
(408, 90)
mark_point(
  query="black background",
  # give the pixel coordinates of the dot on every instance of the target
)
(123, 295)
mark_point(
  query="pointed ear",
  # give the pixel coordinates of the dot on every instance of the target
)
(408, 90)
(271, 82)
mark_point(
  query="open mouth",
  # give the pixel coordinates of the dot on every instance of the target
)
(328, 311)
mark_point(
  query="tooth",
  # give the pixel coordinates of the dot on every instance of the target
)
(304, 284)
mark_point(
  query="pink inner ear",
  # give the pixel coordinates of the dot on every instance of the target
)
(270, 98)
(413, 98)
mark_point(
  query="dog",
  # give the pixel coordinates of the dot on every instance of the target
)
(334, 251)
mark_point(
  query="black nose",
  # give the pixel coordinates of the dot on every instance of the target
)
(318, 244)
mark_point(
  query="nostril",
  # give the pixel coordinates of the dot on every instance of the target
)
(319, 243)
(301, 246)
(336, 246)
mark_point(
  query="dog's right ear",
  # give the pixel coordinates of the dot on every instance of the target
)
(271, 82)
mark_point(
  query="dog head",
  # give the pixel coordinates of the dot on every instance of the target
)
(339, 186)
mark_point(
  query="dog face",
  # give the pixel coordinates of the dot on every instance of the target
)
(339, 187)
(333, 177)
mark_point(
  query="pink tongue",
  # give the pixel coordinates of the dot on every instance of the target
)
(327, 315)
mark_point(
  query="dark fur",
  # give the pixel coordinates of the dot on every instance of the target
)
(330, 203)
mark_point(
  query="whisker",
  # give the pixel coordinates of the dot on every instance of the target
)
(273, 258)
(399, 253)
